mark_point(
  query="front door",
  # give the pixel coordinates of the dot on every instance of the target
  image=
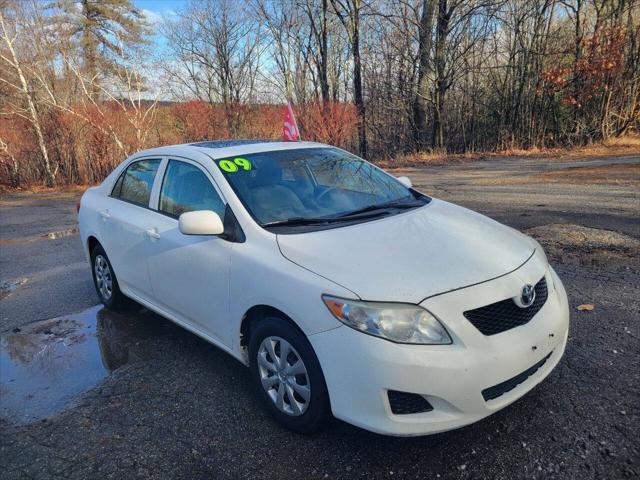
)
(190, 273)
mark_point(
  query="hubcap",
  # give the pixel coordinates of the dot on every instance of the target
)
(103, 277)
(284, 376)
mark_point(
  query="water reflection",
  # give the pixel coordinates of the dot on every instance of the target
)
(7, 287)
(67, 232)
(45, 365)
(61, 233)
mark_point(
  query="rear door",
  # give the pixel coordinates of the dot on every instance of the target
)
(190, 273)
(126, 222)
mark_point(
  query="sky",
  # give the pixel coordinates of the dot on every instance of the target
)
(155, 9)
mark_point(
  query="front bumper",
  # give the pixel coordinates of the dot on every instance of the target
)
(359, 369)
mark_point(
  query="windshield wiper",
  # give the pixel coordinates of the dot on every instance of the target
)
(361, 213)
(382, 206)
(301, 221)
(295, 222)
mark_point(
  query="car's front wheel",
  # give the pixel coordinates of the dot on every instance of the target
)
(287, 376)
(105, 281)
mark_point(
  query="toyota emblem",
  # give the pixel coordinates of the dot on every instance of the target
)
(528, 296)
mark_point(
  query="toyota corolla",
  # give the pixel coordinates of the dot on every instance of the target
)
(345, 290)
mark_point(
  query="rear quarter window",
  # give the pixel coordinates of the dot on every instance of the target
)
(136, 182)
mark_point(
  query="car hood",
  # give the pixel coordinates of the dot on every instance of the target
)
(413, 255)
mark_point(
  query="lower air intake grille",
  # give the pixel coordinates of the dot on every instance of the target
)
(403, 403)
(508, 385)
(505, 315)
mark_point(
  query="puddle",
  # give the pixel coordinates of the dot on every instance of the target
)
(7, 287)
(61, 233)
(46, 236)
(45, 365)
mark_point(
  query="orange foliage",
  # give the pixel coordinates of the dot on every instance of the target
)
(597, 69)
(332, 123)
(83, 152)
(197, 120)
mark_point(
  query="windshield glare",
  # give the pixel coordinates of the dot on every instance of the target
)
(308, 183)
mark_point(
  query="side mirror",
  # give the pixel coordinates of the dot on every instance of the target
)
(406, 181)
(200, 222)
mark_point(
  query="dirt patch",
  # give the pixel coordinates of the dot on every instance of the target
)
(628, 175)
(576, 244)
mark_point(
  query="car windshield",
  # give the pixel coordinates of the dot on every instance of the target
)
(302, 187)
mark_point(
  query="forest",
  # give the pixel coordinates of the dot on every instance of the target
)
(86, 83)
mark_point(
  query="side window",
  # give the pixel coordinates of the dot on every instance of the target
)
(118, 186)
(135, 184)
(186, 188)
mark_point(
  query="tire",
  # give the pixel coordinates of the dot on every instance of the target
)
(105, 281)
(302, 415)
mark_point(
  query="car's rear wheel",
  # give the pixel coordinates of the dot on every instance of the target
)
(105, 281)
(287, 376)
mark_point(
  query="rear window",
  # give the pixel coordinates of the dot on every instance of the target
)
(136, 182)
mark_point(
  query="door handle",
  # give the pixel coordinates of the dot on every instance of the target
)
(153, 233)
(105, 214)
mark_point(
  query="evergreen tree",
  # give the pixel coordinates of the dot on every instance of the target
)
(102, 29)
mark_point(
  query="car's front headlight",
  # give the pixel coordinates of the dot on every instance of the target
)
(398, 322)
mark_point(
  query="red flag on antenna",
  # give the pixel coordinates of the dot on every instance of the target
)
(290, 132)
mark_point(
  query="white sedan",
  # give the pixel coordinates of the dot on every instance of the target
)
(341, 287)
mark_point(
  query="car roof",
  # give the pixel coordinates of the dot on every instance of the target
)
(227, 148)
(229, 143)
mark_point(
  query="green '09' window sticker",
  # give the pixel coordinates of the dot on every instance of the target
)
(231, 166)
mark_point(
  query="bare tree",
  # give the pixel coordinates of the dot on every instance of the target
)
(420, 105)
(217, 47)
(6, 154)
(384, 77)
(284, 22)
(349, 13)
(317, 15)
(126, 90)
(25, 107)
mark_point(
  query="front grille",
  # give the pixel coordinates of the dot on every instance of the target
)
(505, 315)
(403, 403)
(508, 385)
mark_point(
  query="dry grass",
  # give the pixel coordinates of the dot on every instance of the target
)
(577, 244)
(430, 158)
(628, 145)
(614, 146)
(44, 189)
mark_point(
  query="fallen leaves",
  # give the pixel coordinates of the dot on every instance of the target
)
(585, 307)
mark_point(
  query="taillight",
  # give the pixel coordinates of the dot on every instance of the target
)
(78, 206)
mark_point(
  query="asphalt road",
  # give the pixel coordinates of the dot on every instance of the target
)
(92, 394)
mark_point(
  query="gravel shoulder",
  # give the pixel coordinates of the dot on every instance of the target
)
(165, 404)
